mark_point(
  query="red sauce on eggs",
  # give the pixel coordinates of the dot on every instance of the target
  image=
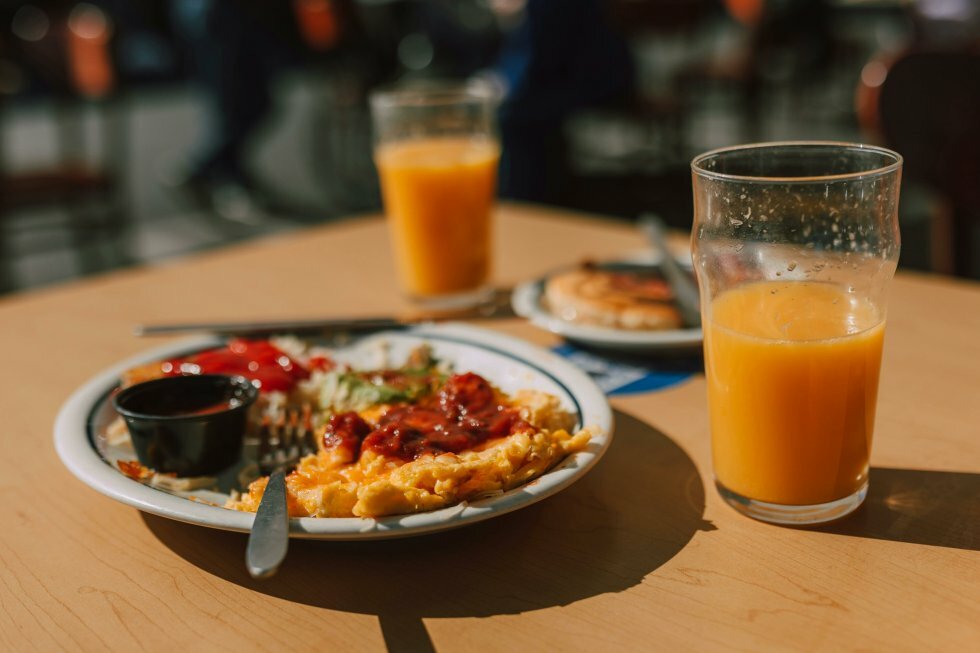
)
(461, 415)
(346, 431)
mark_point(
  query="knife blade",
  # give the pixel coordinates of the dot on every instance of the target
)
(497, 307)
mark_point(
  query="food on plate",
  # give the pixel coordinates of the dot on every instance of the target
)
(268, 364)
(281, 369)
(396, 439)
(458, 439)
(621, 299)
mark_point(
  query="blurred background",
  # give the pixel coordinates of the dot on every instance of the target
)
(133, 132)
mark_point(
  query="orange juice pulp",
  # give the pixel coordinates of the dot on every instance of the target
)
(438, 194)
(792, 373)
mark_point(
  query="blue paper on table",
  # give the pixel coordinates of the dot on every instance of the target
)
(620, 377)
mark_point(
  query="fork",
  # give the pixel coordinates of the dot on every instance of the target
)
(282, 442)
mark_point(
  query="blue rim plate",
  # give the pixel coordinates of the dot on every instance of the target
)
(508, 362)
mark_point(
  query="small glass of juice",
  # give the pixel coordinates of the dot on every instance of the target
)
(437, 154)
(794, 246)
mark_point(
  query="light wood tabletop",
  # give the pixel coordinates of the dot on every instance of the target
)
(640, 554)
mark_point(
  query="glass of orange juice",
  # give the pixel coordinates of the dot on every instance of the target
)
(437, 154)
(794, 246)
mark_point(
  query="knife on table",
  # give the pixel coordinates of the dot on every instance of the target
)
(497, 307)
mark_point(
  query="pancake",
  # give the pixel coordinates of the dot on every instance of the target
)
(614, 299)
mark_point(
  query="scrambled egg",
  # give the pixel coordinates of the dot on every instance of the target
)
(324, 485)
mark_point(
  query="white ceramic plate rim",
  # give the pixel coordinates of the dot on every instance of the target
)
(74, 447)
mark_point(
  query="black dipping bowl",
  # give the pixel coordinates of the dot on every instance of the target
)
(187, 425)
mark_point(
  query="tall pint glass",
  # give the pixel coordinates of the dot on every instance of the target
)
(794, 246)
(437, 154)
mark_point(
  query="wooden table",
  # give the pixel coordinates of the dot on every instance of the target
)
(640, 554)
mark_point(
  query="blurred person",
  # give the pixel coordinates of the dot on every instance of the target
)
(236, 48)
(558, 57)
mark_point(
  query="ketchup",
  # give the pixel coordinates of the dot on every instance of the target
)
(346, 431)
(461, 415)
(267, 366)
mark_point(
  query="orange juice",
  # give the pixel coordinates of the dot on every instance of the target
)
(438, 194)
(792, 373)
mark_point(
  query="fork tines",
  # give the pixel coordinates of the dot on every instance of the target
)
(287, 437)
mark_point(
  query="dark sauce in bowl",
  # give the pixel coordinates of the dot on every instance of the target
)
(187, 425)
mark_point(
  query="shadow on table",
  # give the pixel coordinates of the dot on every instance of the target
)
(637, 509)
(919, 507)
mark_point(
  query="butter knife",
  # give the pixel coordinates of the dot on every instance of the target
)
(299, 327)
(497, 307)
(269, 538)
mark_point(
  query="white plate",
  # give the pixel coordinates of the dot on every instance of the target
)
(507, 362)
(527, 302)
